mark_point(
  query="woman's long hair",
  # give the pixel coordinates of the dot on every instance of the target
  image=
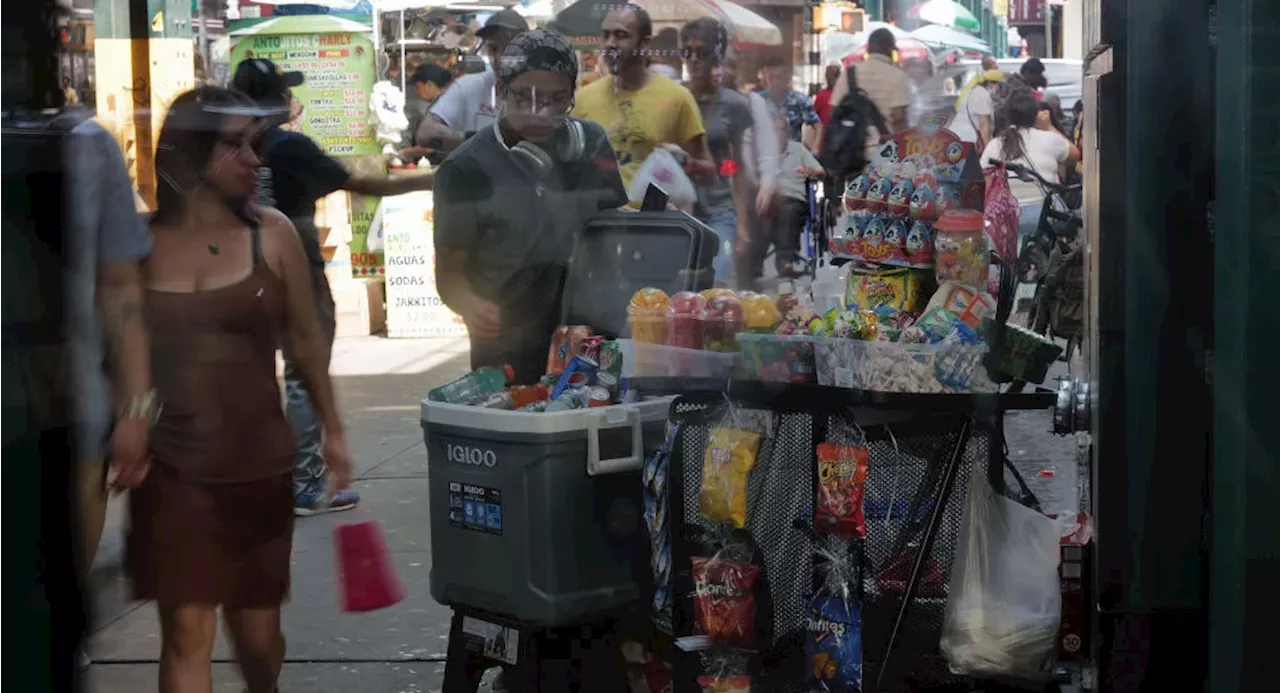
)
(191, 130)
(1022, 114)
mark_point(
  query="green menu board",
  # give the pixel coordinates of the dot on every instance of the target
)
(337, 58)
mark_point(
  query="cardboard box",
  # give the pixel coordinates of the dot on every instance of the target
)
(333, 219)
(337, 262)
(1074, 571)
(359, 307)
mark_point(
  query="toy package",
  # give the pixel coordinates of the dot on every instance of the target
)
(725, 600)
(729, 459)
(842, 479)
(899, 289)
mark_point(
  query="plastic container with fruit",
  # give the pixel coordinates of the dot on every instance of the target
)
(722, 320)
(647, 315)
(684, 315)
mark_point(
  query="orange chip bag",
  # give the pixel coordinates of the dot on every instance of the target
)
(724, 600)
(725, 684)
(842, 478)
(731, 454)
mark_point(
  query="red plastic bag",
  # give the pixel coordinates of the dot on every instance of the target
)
(842, 480)
(366, 577)
(1001, 212)
(725, 600)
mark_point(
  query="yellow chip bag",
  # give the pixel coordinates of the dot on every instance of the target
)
(731, 454)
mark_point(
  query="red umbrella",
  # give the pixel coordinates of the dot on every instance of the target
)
(908, 49)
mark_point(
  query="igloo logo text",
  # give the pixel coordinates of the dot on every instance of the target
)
(470, 455)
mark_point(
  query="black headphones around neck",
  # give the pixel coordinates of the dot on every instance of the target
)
(567, 146)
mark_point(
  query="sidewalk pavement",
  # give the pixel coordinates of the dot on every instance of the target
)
(379, 384)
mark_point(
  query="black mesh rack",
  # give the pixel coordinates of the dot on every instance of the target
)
(922, 450)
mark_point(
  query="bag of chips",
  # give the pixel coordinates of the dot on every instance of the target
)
(833, 645)
(724, 600)
(724, 671)
(842, 479)
(730, 456)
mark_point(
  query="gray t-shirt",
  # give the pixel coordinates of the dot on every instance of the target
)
(103, 226)
(518, 233)
(726, 119)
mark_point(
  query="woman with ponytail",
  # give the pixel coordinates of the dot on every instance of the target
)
(1038, 147)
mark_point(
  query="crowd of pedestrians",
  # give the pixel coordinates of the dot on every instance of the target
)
(228, 269)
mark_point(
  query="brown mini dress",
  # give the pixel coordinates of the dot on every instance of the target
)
(213, 521)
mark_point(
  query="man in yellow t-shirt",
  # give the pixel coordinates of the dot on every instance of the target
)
(639, 108)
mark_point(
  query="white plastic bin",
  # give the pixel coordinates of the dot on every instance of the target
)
(777, 358)
(644, 360)
(898, 367)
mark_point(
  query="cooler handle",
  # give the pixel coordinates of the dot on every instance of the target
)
(607, 417)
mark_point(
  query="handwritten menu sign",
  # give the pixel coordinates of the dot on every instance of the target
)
(332, 105)
(414, 308)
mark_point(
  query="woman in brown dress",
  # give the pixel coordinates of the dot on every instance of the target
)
(212, 523)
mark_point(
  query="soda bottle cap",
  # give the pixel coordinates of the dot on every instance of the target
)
(509, 373)
(541, 389)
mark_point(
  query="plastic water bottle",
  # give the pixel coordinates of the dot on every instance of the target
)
(828, 287)
(474, 386)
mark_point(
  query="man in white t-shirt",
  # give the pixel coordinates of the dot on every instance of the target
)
(975, 109)
(471, 104)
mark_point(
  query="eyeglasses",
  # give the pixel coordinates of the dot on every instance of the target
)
(701, 53)
(533, 102)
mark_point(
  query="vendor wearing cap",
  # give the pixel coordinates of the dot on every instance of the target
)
(510, 202)
(471, 103)
(296, 174)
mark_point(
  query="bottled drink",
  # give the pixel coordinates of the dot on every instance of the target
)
(474, 386)
(524, 395)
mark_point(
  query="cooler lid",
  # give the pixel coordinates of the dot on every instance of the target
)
(620, 253)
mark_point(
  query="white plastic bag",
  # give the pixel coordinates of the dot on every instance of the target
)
(662, 170)
(1004, 605)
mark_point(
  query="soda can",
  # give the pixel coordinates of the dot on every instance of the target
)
(579, 364)
(599, 397)
(566, 342)
(610, 359)
(569, 400)
(591, 347)
(609, 382)
(540, 406)
(550, 381)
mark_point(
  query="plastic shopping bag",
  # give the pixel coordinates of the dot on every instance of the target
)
(1002, 213)
(662, 170)
(1004, 604)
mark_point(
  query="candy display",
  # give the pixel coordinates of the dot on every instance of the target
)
(899, 289)
(919, 245)
(966, 303)
(961, 250)
(899, 203)
(777, 358)
(729, 459)
(842, 478)
(833, 645)
(724, 600)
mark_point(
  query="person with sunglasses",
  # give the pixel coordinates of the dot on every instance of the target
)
(512, 199)
(296, 173)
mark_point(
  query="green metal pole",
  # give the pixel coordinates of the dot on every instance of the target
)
(874, 10)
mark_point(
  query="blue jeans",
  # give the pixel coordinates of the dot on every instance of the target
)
(309, 476)
(725, 225)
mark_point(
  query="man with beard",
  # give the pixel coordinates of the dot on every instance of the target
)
(640, 109)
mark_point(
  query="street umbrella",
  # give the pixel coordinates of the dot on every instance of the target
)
(941, 38)
(946, 13)
(909, 47)
(581, 21)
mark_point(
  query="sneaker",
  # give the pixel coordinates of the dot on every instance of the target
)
(315, 504)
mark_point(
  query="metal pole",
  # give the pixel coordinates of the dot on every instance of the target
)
(1048, 30)
(404, 85)
(204, 39)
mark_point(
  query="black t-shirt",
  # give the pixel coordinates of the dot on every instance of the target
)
(295, 174)
(518, 234)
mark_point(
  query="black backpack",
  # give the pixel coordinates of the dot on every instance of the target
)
(845, 138)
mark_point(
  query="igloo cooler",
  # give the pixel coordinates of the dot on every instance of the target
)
(538, 516)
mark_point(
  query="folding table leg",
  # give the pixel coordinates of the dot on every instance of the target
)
(926, 543)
